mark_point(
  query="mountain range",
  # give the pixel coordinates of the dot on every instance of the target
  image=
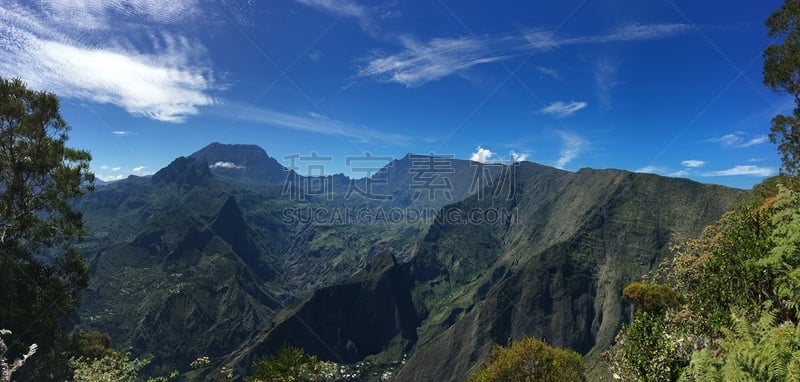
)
(228, 254)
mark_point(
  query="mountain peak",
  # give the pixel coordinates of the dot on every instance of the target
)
(183, 171)
(240, 161)
(225, 151)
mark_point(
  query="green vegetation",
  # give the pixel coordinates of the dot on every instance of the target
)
(781, 63)
(113, 367)
(294, 364)
(41, 272)
(741, 283)
(530, 360)
(654, 298)
(291, 364)
(94, 360)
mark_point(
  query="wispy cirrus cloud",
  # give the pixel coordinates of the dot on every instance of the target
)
(123, 133)
(572, 146)
(422, 62)
(310, 122)
(552, 73)
(642, 32)
(605, 80)
(93, 14)
(755, 141)
(91, 57)
(738, 139)
(563, 109)
(745, 170)
(690, 167)
(693, 163)
(543, 39)
(419, 62)
(368, 17)
(338, 7)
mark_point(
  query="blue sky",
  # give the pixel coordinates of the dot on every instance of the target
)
(671, 87)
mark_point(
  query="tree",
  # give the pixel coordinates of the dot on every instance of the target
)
(654, 298)
(41, 272)
(782, 74)
(291, 364)
(530, 360)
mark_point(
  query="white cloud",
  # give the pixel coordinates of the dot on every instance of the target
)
(728, 139)
(315, 55)
(542, 40)
(562, 109)
(226, 165)
(365, 16)
(419, 63)
(651, 170)
(110, 178)
(748, 170)
(755, 141)
(539, 39)
(337, 7)
(123, 133)
(518, 157)
(688, 165)
(314, 123)
(484, 155)
(680, 173)
(108, 174)
(737, 139)
(573, 145)
(693, 163)
(165, 83)
(548, 72)
(481, 155)
(643, 32)
(605, 80)
(93, 14)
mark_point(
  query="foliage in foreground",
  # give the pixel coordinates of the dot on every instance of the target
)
(738, 320)
(41, 272)
(530, 360)
(95, 361)
(292, 364)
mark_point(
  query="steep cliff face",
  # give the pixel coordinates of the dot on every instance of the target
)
(367, 314)
(540, 252)
(576, 239)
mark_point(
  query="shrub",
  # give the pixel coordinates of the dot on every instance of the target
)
(530, 360)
